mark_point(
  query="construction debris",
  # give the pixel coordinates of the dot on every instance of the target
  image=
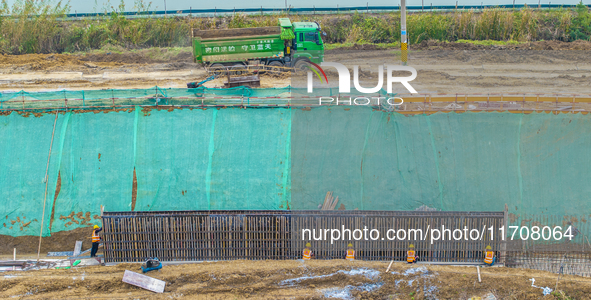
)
(388, 269)
(10, 263)
(151, 265)
(143, 281)
(426, 208)
(88, 261)
(63, 253)
(329, 202)
(545, 290)
(77, 248)
(76, 252)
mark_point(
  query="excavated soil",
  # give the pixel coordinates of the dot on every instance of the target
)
(48, 62)
(449, 68)
(138, 58)
(294, 280)
(547, 66)
(26, 246)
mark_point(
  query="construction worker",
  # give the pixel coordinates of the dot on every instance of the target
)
(411, 256)
(307, 253)
(96, 239)
(489, 256)
(350, 252)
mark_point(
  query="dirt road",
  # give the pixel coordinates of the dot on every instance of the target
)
(293, 280)
(442, 68)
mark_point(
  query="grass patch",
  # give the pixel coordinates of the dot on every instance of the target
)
(490, 42)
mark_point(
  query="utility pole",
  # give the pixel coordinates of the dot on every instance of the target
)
(164, 7)
(403, 41)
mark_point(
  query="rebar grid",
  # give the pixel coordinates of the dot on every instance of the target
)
(227, 235)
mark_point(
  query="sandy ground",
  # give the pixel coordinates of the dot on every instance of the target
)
(293, 280)
(442, 68)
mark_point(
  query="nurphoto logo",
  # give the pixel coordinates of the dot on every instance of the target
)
(345, 83)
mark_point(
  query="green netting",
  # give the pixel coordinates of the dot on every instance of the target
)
(138, 93)
(24, 146)
(94, 159)
(156, 96)
(280, 158)
(287, 34)
(132, 95)
(212, 159)
(185, 159)
(535, 163)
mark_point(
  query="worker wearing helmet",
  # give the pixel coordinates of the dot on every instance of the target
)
(411, 256)
(307, 253)
(96, 239)
(489, 256)
(350, 252)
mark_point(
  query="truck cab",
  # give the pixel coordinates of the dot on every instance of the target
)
(307, 44)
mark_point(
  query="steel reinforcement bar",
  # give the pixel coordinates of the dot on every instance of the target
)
(258, 235)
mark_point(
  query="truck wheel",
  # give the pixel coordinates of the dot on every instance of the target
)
(275, 68)
(239, 69)
(217, 70)
(301, 66)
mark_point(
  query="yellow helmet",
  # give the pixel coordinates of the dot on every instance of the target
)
(308, 244)
(350, 245)
(96, 226)
(488, 247)
(411, 246)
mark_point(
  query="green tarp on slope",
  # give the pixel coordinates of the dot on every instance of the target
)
(185, 159)
(277, 158)
(373, 160)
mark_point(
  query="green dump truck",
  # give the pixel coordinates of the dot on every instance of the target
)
(273, 48)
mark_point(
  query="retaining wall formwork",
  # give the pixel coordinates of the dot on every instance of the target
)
(257, 235)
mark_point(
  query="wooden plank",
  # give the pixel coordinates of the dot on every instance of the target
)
(10, 263)
(63, 253)
(143, 281)
(77, 248)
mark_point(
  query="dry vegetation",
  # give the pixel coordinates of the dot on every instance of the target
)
(41, 26)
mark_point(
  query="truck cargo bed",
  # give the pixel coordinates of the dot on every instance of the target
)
(235, 33)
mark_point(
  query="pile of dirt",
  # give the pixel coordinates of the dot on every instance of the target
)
(89, 63)
(142, 57)
(296, 279)
(360, 47)
(49, 62)
(58, 241)
(556, 45)
(541, 45)
(40, 61)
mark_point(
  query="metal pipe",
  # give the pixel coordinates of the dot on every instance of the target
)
(403, 40)
(46, 183)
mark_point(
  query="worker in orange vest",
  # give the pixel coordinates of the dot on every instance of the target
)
(411, 256)
(307, 253)
(350, 252)
(489, 256)
(96, 239)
